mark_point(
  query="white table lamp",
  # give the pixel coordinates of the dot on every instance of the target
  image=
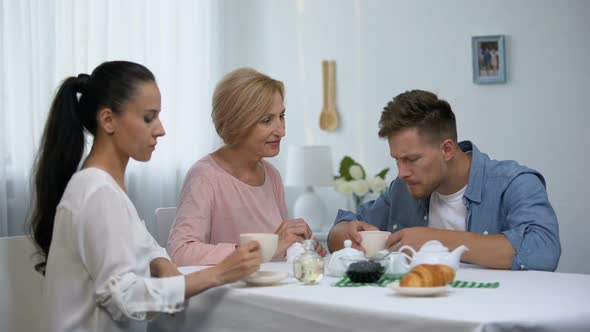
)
(309, 166)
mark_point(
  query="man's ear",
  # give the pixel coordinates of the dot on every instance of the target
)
(106, 120)
(448, 148)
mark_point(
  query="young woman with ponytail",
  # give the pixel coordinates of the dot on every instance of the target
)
(103, 270)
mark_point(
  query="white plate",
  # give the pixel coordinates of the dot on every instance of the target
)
(418, 291)
(266, 278)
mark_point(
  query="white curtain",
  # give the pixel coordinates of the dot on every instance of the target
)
(45, 41)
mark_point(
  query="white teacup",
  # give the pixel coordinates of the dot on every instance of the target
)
(373, 241)
(268, 243)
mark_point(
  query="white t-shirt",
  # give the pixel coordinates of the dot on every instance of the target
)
(98, 274)
(447, 211)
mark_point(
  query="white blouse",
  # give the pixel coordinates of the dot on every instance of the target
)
(98, 269)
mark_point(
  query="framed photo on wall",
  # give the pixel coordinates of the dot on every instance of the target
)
(489, 65)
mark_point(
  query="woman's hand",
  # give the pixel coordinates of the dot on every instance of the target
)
(163, 268)
(319, 248)
(241, 263)
(291, 231)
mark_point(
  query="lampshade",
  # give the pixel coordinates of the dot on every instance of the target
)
(309, 166)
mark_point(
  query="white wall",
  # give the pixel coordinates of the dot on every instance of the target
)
(383, 48)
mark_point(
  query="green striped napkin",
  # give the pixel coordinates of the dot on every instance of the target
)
(385, 280)
(474, 284)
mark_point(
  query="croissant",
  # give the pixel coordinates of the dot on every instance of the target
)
(428, 275)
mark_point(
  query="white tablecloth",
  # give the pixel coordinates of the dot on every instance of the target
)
(525, 301)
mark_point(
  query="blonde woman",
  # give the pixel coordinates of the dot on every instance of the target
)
(234, 190)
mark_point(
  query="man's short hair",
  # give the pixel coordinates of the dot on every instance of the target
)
(432, 117)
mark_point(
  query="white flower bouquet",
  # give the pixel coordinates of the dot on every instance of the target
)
(352, 180)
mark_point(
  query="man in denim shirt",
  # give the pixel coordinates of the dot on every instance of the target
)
(452, 192)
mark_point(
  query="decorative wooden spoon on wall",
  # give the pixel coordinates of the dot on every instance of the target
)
(329, 117)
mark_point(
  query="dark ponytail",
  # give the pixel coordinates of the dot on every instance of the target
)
(62, 145)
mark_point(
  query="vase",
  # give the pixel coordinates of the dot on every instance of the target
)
(353, 201)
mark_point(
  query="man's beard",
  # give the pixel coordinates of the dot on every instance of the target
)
(422, 192)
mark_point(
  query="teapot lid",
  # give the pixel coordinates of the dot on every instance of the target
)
(347, 251)
(433, 246)
(338, 262)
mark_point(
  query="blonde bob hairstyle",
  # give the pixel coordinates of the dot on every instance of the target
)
(240, 100)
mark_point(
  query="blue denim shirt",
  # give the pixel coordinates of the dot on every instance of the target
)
(502, 197)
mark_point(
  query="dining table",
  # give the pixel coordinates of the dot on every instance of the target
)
(520, 301)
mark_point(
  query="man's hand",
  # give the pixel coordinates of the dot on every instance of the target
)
(494, 251)
(414, 237)
(348, 230)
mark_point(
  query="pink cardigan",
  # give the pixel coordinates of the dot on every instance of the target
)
(215, 207)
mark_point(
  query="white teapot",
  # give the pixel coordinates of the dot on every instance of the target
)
(342, 258)
(396, 263)
(433, 252)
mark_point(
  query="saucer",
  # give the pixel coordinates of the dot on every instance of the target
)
(418, 291)
(262, 278)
